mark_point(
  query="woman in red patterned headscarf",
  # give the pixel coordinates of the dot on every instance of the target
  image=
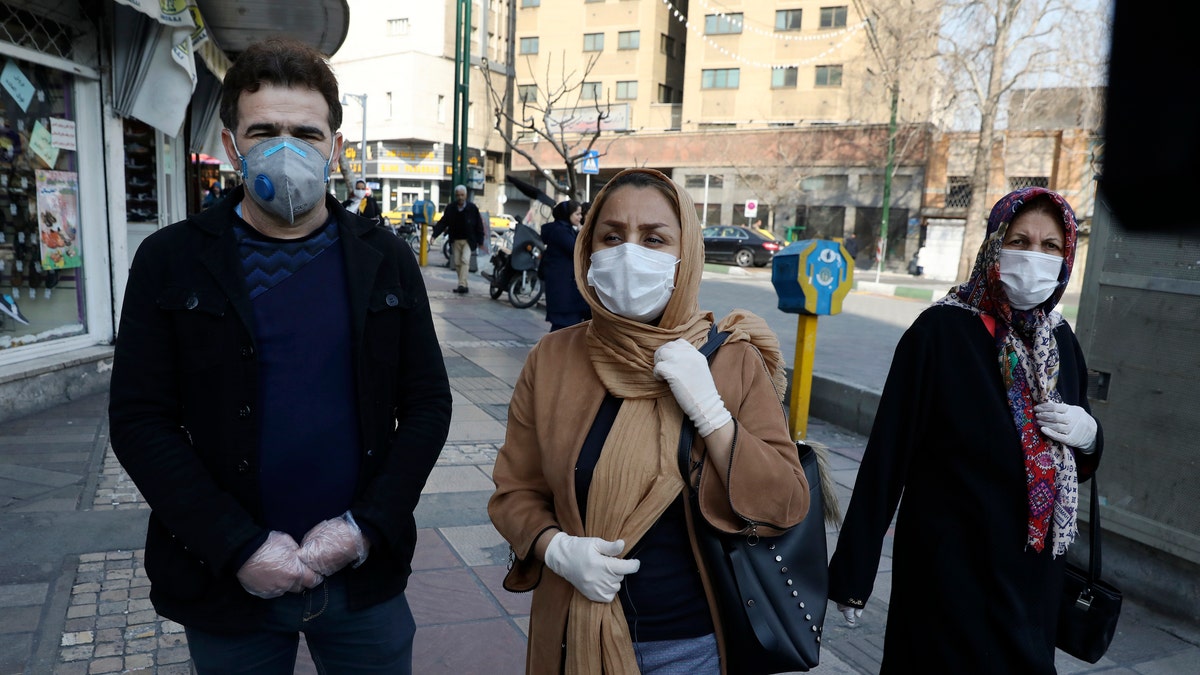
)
(984, 430)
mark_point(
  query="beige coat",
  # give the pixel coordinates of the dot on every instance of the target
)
(553, 406)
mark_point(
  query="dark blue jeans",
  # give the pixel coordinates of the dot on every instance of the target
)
(378, 639)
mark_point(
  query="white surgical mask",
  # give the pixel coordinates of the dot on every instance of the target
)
(1029, 277)
(632, 280)
(359, 194)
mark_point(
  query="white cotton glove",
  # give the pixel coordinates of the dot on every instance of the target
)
(1067, 424)
(589, 564)
(685, 369)
(332, 544)
(851, 614)
(275, 569)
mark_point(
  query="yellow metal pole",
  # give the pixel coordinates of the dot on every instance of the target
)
(424, 255)
(806, 343)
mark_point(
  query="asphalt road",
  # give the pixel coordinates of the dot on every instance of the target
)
(855, 345)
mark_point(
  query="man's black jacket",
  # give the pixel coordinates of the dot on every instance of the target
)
(184, 426)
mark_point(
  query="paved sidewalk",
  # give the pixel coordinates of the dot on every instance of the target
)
(73, 592)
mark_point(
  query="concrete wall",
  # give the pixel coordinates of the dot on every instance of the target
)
(31, 386)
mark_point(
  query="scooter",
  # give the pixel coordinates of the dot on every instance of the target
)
(514, 267)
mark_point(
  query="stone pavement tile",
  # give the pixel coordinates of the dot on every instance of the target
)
(16, 595)
(457, 479)
(494, 647)
(433, 552)
(14, 647)
(492, 576)
(476, 431)
(448, 596)
(477, 544)
(37, 476)
(468, 412)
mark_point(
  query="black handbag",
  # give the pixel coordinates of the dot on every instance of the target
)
(1089, 608)
(770, 591)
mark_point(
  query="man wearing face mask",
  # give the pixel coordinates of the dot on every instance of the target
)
(279, 397)
(982, 437)
(361, 202)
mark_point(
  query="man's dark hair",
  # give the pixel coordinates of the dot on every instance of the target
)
(282, 62)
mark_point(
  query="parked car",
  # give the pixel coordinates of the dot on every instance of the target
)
(741, 246)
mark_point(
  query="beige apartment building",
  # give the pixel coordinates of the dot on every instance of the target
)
(398, 62)
(779, 102)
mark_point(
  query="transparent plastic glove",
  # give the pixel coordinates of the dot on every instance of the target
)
(685, 369)
(1067, 424)
(850, 614)
(332, 544)
(275, 569)
(589, 564)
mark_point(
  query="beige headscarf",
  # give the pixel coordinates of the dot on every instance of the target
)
(637, 476)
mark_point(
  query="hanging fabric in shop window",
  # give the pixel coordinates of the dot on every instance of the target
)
(154, 63)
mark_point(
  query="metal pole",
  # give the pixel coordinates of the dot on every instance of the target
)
(465, 85)
(587, 179)
(704, 212)
(455, 150)
(887, 180)
(363, 101)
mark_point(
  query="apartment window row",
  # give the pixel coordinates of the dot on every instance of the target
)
(785, 20)
(781, 78)
(626, 39)
(531, 3)
(626, 90)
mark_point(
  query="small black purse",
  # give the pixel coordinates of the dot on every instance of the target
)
(770, 591)
(1089, 608)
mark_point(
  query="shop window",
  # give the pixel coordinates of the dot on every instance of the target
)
(41, 259)
(141, 197)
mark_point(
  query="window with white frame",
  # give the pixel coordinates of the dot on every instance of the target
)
(591, 91)
(397, 26)
(629, 39)
(529, 45)
(720, 78)
(829, 76)
(627, 90)
(833, 17)
(593, 42)
(787, 19)
(783, 78)
(723, 24)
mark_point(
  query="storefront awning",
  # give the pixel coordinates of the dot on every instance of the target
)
(235, 24)
(156, 46)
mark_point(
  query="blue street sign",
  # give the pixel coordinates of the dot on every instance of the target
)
(591, 162)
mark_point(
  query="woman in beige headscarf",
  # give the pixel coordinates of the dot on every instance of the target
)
(588, 491)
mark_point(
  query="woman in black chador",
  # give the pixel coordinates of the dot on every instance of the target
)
(982, 435)
(565, 306)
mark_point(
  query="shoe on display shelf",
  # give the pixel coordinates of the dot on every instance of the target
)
(9, 307)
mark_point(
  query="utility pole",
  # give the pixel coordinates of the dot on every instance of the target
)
(462, 89)
(887, 179)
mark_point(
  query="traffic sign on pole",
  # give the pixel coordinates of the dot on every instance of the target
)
(751, 208)
(591, 163)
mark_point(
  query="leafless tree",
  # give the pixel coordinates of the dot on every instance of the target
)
(556, 113)
(989, 48)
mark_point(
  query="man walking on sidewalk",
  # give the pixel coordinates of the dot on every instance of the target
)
(464, 227)
(279, 397)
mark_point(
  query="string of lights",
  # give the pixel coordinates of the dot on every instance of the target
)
(847, 33)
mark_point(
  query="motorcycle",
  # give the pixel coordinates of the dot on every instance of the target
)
(514, 267)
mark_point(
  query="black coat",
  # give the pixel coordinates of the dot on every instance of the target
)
(465, 224)
(565, 306)
(184, 381)
(966, 595)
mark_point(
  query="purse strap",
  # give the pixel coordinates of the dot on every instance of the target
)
(1094, 535)
(687, 434)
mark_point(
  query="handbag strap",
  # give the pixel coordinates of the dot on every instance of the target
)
(1094, 535)
(687, 434)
